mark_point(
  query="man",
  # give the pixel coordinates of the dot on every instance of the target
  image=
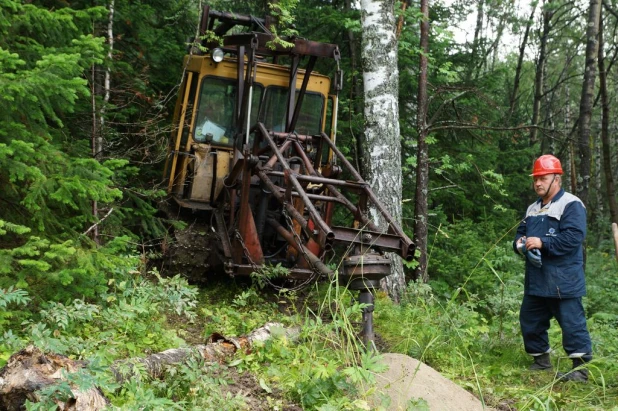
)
(551, 238)
(208, 130)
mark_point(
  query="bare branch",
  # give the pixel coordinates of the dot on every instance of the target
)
(92, 227)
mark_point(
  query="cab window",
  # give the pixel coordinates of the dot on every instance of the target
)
(275, 109)
(216, 122)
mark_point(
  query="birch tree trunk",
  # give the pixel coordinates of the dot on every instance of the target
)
(381, 145)
(587, 97)
(421, 213)
(108, 75)
(97, 130)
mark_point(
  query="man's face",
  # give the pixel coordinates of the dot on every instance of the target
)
(546, 186)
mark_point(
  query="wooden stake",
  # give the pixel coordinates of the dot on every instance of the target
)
(615, 232)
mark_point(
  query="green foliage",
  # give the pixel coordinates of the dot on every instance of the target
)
(59, 271)
(47, 193)
(39, 84)
(202, 387)
(12, 304)
(459, 251)
(283, 13)
(602, 280)
(263, 275)
(327, 367)
(13, 296)
(247, 311)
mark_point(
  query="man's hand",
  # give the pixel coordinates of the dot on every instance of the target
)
(533, 242)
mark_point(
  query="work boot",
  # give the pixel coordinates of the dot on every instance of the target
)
(541, 363)
(580, 375)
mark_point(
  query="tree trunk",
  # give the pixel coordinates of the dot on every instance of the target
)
(422, 171)
(615, 235)
(495, 46)
(381, 145)
(539, 77)
(217, 349)
(520, 59)
(572, 174)
(94, 143)
(605, 141)
(402, 15)
(585, 106)
(480, 16)
(356, 94)
(107, 79)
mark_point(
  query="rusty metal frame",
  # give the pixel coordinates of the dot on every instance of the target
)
(293, 185)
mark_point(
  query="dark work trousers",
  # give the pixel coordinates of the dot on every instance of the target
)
(534, 317)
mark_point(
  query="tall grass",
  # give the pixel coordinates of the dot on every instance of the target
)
(475, 340)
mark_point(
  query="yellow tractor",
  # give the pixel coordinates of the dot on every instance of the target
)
(253, 155)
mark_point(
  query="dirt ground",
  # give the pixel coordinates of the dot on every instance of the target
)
(257, 399)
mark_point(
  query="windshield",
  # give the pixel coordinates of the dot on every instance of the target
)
(215, 122)
(216, 110)
(275, 108)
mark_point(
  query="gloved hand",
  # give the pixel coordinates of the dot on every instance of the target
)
(534, 257)
(521, 248)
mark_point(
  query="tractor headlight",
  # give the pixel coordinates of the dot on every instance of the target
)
(217, 55)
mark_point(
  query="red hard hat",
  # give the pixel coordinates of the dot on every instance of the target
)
(546, 164)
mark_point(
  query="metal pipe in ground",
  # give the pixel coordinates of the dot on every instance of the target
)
(366, 297)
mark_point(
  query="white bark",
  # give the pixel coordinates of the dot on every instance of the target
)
(108, 74)
(382, 146)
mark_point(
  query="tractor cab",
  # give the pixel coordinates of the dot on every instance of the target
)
(210, 120)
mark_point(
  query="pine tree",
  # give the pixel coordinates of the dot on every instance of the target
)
(48, 180)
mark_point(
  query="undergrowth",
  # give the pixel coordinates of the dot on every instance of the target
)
(472, 338)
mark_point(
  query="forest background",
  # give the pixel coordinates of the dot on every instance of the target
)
(84, 126)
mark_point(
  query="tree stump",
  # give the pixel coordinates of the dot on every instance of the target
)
(30, 370)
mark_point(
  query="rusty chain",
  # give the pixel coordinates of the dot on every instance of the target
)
(315, 272)
(246, 250)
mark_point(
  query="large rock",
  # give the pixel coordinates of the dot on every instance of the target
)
(408, 380)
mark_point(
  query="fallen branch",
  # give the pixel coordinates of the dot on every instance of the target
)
(218, 349)
(31, 370)
(98, 222)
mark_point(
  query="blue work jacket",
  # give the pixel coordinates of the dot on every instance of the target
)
(561, 226)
